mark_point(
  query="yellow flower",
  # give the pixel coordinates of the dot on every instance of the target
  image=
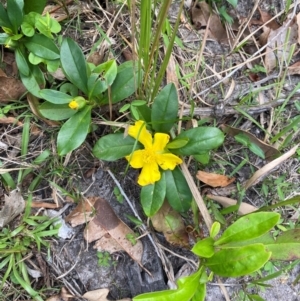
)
(152, 156)
(77, 103)
(73, 105)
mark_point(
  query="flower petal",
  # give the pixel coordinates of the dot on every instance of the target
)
(149, 174)
(167, 161)
(160, 141)
(136, 160)
(139, 132)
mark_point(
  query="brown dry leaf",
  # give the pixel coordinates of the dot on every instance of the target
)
(14, 205)
(226, 202)
(106, 218)
(8, 120)
(278, 48)
(171, 72)
(213, 179)
(294, 69)
(264, 18)
(10, 89)
(170, 222)
(99, 295)
(83, 213)
(200, 13)
(269, 151)
(261, 173)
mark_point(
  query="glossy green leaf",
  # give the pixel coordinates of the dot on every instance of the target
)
(74, 131)
(200, 140)
(178, 143)
(114, 146)
(22, 62)
(47, 25)
(56, 112)
(52, 65)
(125, 84)
(27, 29)
(236, 262)
(248, 227)
(178, 192)
(187, 287)
(153, 196)
(55, 97)
(165, 109)
(4, 20)
(15, 13)
(108, 71)
(35, 81)
(69, 88)
(42, 46)
(204, 247)
(73, 64)
(34, 6)
(34, 59)
(202, 158)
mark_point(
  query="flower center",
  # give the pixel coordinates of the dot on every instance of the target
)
(149, 155)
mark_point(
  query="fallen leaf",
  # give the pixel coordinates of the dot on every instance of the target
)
(10, 89)
(106, 218)
(8, 120)
(265, 18)
(170, 222)
(99, 295)
(269, 151)
(294, 69)
(171, 72)
(83, 212)
(264, 171)
(214, 180)
(200, 13)
(278, 45)
(226, 202)
(13, 206)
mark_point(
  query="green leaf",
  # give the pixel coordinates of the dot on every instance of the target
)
(115, 146)
(69, 88)
(204, 248)
(144, 113)
(22, 62)
(34, 6)
(95, 86)
(42, 46)
(256, 150)
(74, 131)
(248, 227)
(178, 192)
(200, 140)
(56, 112)
(187, 287)
(286, 246)
(27, 29)
(165, 109)
(46, 25)
(108, 71)
(236, 262)
(73, 64)
(15, 13)
(3, 38)
(55, 97)
(138, 103)
(233, 2)
(200, 293)
(178, 143)
(125, 84)
(215, 229)
(35, 81)
(4, 20)
(153, 196)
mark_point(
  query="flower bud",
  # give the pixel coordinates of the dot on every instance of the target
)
(77, 103)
